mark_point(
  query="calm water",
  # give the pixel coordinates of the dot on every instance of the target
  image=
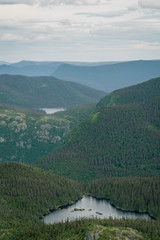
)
(91, 206)
(52, 110)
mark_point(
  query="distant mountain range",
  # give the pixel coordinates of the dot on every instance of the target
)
(29, 68)
(44, 92)
(3, 62)
(105, 76)
(35, 68)
(120, 140)
(110, 77)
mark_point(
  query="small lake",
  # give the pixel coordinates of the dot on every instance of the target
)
(90, 207)
(52, 110)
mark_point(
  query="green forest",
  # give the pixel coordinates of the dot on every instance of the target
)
(134, 94)
(45, 92)
(109, 151)
(113, 141)
(135, 194)
(28, 193)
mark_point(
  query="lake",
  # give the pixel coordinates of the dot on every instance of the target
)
(52, 110)
(90, 207)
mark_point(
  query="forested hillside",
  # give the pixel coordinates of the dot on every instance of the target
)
(110, 77)
(26, 136)
(134, 94)
(134, 194)
(112, 141)
(27, 193)
(44, 92)
(107, 229)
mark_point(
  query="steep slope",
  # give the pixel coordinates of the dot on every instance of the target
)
(28, 193)
(134, 94)
(110, 77)
(26, 136)
(112, 141)
(43, 92)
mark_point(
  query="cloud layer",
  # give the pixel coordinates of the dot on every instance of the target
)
(50, 2)
(149, 4)
(79, 29)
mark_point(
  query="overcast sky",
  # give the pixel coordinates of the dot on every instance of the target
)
(79, 30)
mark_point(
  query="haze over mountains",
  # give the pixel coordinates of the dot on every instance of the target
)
(35, 68)
(105, 76)
(110, 77)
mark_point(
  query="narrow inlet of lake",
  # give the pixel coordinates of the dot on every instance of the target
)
(52, 110)
(90, 207)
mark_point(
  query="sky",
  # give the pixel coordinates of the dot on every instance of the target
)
(79, 30)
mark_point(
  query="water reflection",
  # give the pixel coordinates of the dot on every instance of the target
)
(52, 110)
(90, 207)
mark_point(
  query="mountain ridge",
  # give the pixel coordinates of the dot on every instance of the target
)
(134, 94)
(114, 141)
(44, 92)
(110, 77)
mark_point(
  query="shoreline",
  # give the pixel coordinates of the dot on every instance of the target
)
(124, 210)
(89, 195)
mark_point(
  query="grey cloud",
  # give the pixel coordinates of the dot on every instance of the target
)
(68, 2)
(133, 8)
(11, 2)
(105, 15)
(130, 31)
(149, 4)
(50, 2)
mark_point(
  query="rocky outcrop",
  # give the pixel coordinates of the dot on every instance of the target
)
(113, 233)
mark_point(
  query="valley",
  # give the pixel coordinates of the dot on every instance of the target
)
(79, 120)
(28, 193)
(102, 147)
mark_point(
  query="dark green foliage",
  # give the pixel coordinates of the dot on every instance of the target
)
(134, 94)
(135, 194)
(27, 193)
(44, 92)
(76, 114)
(77, 230)
(26, 136)
(112, 141)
